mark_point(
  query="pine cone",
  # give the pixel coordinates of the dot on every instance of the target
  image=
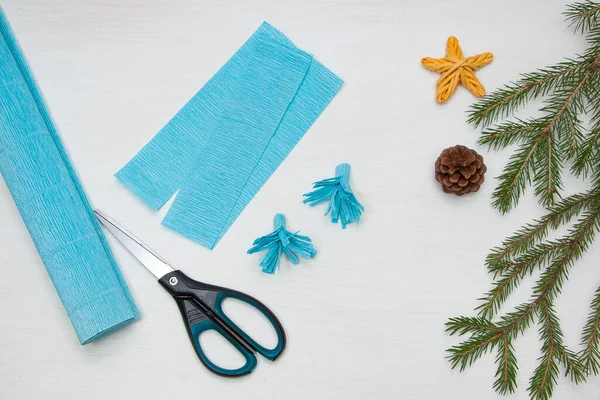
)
(460, 170)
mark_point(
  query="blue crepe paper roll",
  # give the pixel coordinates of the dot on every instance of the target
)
(53, 205)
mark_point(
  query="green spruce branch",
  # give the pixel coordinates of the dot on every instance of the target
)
(590, 355)
(544, 146)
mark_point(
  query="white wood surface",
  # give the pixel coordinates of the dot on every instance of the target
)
(365, 319)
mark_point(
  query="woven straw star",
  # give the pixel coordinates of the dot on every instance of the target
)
(456, 69)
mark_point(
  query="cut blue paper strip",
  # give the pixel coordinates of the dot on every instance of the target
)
(54, 206)
(225, 143)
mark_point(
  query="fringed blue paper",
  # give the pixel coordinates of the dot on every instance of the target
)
(282, 241)
(224, 144)
(343, 205)
(53, 205)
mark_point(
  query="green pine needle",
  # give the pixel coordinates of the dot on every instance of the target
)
(590, 355)
(467, 352)
(545, 376)
(531, 234)
(517, 174)
(583, 15)
(509, 99)
(588, 155)
(506, 374)
(546, 143)
(544, 146)
(470, 325)
(505, 283)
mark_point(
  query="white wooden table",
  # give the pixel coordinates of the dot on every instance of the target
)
(365, 319)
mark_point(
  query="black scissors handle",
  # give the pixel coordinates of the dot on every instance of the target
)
(201, 307)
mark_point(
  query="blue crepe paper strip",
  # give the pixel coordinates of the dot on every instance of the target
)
(343, 205)
(53, 205)
(224, 144)
(282, 241)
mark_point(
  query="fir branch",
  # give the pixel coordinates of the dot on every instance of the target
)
(511, 132)
(506, 374)
(595, 174)
(471, 325)
(486, 335)
(590, 90)
(470, 350)
(573, 245)
(540, 256)
(587, 156)
(530, 234)
(574, 368)
(505, 101)
(554, 352)
(545, 376)
(485, 338)
(590, 355)
(583, 16)
(567, 100)
(516, 175)
(544, 145)
(536, 159)
(519, 320)
(547, 180)
(552, 279)
(573, 138)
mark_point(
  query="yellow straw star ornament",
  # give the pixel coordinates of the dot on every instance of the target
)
(456, 69)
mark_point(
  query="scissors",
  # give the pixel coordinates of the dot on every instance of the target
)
(201, 305)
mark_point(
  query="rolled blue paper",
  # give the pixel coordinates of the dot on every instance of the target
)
(53, 205)
(223, 145)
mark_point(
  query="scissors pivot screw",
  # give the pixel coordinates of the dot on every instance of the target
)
(173, 281)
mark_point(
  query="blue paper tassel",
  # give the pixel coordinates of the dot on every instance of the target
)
(343, 204)
(282, 241)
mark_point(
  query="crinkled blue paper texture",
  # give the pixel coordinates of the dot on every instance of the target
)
(223, 145)
(53, 205)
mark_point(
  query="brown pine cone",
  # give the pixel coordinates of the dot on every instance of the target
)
(460, 170)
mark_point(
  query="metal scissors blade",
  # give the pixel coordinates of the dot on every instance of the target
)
(149, 259)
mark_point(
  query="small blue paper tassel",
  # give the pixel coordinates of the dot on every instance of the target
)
(282, 241)
(343, 205)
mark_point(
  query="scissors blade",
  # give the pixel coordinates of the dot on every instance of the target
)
(149, 259)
